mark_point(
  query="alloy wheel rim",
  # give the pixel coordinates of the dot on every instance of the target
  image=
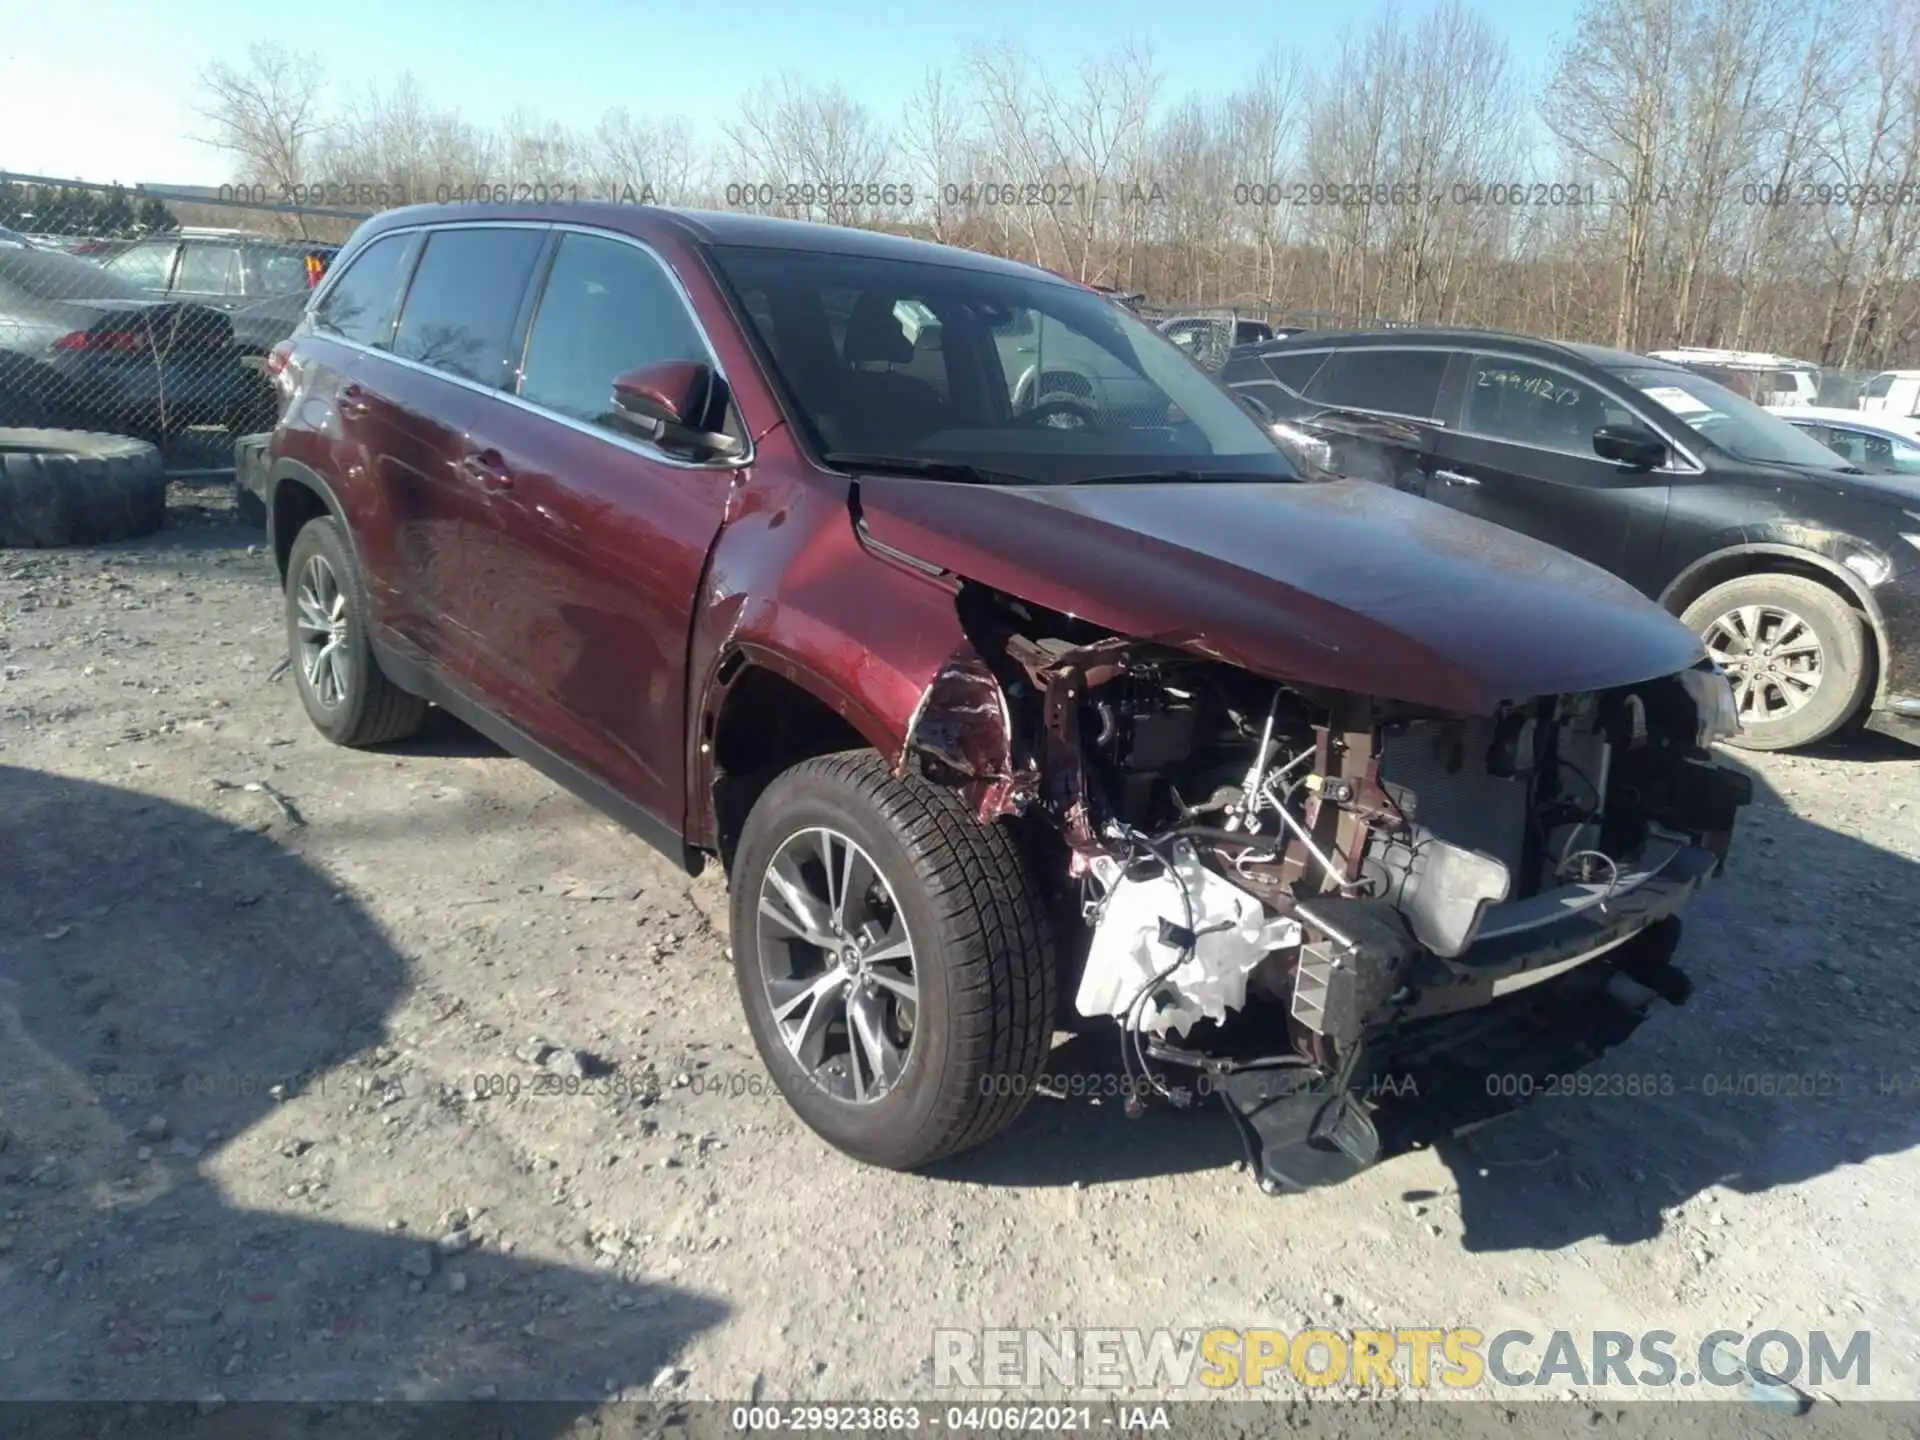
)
(837, 962)
(321, 623)
(1772, 657)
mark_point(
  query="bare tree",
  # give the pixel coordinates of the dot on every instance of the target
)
(656, 161)
(1710, 171)
(267, 115)
(1611, 104)
(819, 152)
(937, 141)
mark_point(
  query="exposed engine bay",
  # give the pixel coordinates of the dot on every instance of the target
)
(1281, 889)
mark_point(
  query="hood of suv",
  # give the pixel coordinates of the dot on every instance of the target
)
(1346, 585)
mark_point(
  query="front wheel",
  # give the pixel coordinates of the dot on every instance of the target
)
(1796, 654)
(894, 958)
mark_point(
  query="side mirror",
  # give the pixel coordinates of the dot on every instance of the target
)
(673, 403)
(1262, 411)
(1633, 446)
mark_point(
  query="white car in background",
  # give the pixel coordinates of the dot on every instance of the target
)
(1892, 393)
(1878, 442)
(1775, 381)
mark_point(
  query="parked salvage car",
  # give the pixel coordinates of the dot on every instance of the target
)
(1801, 573)
(1208, 336)
(1293, 781)
(1892, 393)
(81, 350)
(1771, 380)
(1878, 442)
(227, 269)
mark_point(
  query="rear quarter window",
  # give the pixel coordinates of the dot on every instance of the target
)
(1398, 382)
(1295, 369)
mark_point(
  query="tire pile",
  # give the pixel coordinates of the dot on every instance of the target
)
(76, 487)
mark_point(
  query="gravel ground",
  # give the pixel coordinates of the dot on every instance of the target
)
(293, 1029)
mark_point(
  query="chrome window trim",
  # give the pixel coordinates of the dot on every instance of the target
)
(632, 444)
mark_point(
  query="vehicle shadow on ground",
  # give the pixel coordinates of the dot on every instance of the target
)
(1076, 1130)
(1793, 1058)
(1865, 746)
(159, 964)
(446, 737)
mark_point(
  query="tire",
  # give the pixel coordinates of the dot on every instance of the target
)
(981, 961)
(76, 487)
(1776, 601)
(355, 704)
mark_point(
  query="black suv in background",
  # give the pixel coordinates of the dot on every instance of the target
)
(225, 270)
(1800, 573)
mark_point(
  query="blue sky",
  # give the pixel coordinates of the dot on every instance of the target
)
(106, 89)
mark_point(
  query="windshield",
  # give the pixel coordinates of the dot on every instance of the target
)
(1739, 427)
(1023, 378)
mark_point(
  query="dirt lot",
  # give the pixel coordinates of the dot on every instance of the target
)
(199, 900)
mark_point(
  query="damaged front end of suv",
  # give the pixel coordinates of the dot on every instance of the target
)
(1360, 921)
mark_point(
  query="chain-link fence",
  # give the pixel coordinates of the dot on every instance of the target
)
(149, 311)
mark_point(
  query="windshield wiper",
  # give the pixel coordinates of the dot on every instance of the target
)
(919, 465)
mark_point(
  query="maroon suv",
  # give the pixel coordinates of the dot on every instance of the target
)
(1009, 670)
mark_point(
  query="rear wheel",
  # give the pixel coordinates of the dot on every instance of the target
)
(341, 685)
(894, 959)
(1795, 651)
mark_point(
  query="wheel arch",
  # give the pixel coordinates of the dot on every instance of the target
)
(297, 494)
(1762, 558)
(763, 714)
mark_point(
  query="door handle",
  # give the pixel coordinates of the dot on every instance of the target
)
(353, 402)
(488, 468)
(1454, 477)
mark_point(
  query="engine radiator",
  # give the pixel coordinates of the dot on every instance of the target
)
(1443, 764)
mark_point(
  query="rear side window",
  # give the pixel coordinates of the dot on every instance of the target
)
(361, 303)
(608, 308)
(1296, 370)
(147, 266)
(1878, 387)
(464, 301)
(1400, 382)
(209, 270)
